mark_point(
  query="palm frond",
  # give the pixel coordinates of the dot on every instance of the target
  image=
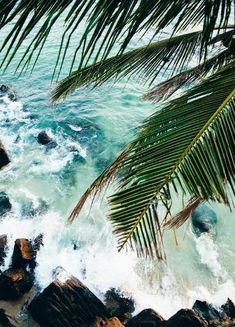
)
(167, 88)
(106, 23)
(182, 216)
(188, 145)
(144, 62)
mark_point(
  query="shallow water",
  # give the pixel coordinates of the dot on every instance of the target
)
(90, 128)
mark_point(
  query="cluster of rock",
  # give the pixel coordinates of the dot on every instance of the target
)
(67, 302)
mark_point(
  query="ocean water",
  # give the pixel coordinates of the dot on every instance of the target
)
(91, 127)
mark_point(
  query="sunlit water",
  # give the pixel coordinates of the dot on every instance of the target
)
(90, 128)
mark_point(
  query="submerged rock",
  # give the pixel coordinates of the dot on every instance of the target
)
(5, 204)
(204, 219)
(186, 318)
(3, 247)
(14, 283)
(6, 90)
(147, 317)
(207, 311)
(119, 305)
(4, 158)
(45, 139)
(66, 302)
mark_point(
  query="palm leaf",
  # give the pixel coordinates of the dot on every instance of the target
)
(106, 23)
(143, 62)
(165, 89)
(189, 145)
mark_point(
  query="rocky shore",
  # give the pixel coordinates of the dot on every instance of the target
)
(67, 302)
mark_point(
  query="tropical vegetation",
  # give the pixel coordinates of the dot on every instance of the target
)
(186, 147)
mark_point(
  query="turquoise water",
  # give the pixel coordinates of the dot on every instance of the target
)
(91, 127)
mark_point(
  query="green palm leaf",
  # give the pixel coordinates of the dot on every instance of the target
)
(165, 89)
(189, 145)
(106, 23)
(146, 61)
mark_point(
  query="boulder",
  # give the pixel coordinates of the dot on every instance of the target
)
(186, 318)
(5, 320)
(207, 311)
(66, 302)
(204, 219)
(147, 317)
(23, 254)
(15, 282)
(5, 204)
(119, 305)
(113, 322)
(3, 247)
(6, 90)
(229, 309)
(45, 139)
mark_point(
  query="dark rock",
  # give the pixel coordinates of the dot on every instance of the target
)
(37, 242)
(186, 318)
(229, 309)
(5, 204)
(5, 320)
(3, 247)
(14, 283)
(66, 302)
(44, 138)
(207, 311)
(118, 305)
(204, 219)
(23, 254)
(4, 158)
(4, 88)
(146, 318)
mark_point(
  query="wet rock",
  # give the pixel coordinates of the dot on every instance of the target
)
(113, 322)
(6, 90)
(14, 283)
(66, 302)
(5, 320)
(23, 254)
(37, 243)
(44, 138)
(229, 309)
(204, 219)
(119, 305)
(147, 317)
(3, 248)
(207, 311)
(186, 318)
(5, 204)
(4, 158)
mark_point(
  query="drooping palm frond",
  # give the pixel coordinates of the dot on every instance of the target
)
(182, 216)
(190, 145)
(106, 22)
(144, 62)
(165, 89)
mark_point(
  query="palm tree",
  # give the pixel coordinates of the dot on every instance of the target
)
(188, 146)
